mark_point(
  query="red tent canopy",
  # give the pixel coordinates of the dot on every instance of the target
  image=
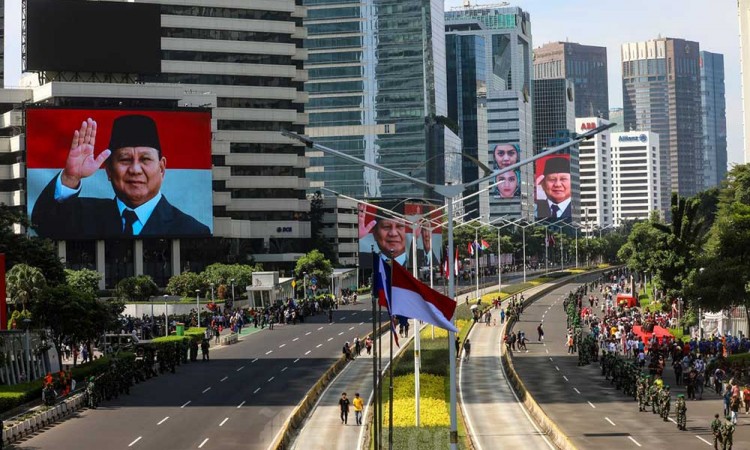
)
(631, 301)
(660, 333)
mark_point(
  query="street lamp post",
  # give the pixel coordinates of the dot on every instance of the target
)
(232, 281)
(166, 316)
(198, 305)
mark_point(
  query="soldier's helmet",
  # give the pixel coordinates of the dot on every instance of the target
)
(681, 396)
(666, 386)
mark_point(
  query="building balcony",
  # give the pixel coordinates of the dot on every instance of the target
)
(13, 171)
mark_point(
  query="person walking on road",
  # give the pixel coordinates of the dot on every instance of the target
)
(458, 347)
(358, 408)
(368, 345)
(716, 430)
(540, 332)
(347, 351)
(467, 349)
(344, 405)
(204, 350)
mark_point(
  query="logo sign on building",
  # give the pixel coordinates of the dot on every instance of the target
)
(639, 138)
(588, 126)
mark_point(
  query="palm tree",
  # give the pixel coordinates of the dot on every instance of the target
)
(24, 283)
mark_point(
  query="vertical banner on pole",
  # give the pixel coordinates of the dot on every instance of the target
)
(3, 302)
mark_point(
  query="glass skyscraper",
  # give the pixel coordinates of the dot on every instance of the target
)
(585, 66)
(377, 87)
(714, 106)
(488, 53)
(661, 93)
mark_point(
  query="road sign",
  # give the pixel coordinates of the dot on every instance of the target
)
(313, 281)
(294, 284)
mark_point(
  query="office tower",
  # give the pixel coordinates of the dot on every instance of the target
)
(585, 66)
(554, 110)
(377, 91)
(743, 9)
(238, 66)
(488, 51)
(595, 166)
(661, 93)
(714, 114)
(616, 116)
(636, 176)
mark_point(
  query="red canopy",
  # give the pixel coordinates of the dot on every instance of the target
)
(631, 301)
(645, 336)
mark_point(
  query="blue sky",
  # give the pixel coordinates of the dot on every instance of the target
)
(610, 23)
(607, 23)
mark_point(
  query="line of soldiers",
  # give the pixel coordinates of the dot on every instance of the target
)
(723, 432)
(116, 380)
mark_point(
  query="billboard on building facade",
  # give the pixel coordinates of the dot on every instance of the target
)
(104, 173)
(508, 184)
(552, 187)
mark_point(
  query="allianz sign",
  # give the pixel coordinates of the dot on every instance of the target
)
(639, 138)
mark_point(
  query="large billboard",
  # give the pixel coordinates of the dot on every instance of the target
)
(84, 36)
(95, 174)
(508, 184)
(553, 187)
(385, 233)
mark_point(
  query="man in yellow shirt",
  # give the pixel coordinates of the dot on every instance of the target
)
(358, 407)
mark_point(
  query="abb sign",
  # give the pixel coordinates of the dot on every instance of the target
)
(588, 126)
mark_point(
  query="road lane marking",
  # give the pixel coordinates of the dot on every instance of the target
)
(330, 339)
(186, 403)
(557, 368)
(270, 379)
(341, 333)
(133, 443)
(672, 420)
(320, 328)
(284, 368)
(240, 405)
(308, 333)
(566, 378)
(342, 318)
(223, 379)
(607, 419)
(354, 314)
(365, 309)
(591, 405)
(253, 360)
(295, 360)
(240, 368)
(319, 345)
(308, 352)
(282, 345)
(269, 352)
(295, 339)
(351, 328)
(361, 323)
(203, 443)
(163, 420)
(634, 441)
(223, 421)
(256, 391)
(207, 389)
(550, 358)
(577, 391)
(703, 440)
(546, 350)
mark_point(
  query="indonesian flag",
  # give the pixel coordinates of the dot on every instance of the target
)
(380, 287)
(471, 248)
(550, 241)
(414, 299)
(456, 263)
(485, 245)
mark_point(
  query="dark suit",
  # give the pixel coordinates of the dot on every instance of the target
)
(542, 211)
(97, 218)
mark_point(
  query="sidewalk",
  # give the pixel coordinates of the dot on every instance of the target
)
(492, 411)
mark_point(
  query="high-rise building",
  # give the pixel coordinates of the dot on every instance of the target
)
(595, 167)
(743, 9)
(554, 110)
(585, 66)
(2, 42)
(661, 93)
(377, 87)
(243, 64)
(340, 229)
(714, 113)
(636, 176)
(616, 116)
(488, 52)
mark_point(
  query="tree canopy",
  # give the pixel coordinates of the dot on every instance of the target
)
(315, 264)
(33, 251)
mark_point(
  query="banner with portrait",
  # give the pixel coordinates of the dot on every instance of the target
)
(382, 232)
(552, 187)
(506, 185)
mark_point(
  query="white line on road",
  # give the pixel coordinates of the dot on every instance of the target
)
(329, 340)
(577, 391)
(308, 333)
(269, 352)
(223, 421)
(203, 443)
(207, 389)
(351, 328)
(223, 379)
(256, 391)
(282, 345)
(270, 379)
(253, 360)
(672, 420)
(295, 360)
(133, 443)
(354, 314)
(308, 352)
(607, 419)
(163, 420)
(634, 441)
(557, 368)
(320, 328)
(566, 378)
(591, 405)
(342, 318)
(240, 405)
(284, 368)
(550, 358)
(361, 323)
(341, 333)
(319, 345)
(365, 309)
(240, 368)
(295, 339)
(186, 403)
(546, 350)
(703, 440)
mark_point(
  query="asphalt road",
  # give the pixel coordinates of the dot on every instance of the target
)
(588, 409)
(240, 399)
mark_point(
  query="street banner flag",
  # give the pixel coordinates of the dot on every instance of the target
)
(456, 268)
(414, 299)
(485, 245)
(471, 248)
(380, 287)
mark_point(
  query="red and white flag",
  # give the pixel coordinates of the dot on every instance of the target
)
(413, 299)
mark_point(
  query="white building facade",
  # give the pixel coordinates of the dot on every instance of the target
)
(595, 166)
(636, 178)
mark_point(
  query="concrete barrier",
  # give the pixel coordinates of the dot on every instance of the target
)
(229, 339)
(42, 419)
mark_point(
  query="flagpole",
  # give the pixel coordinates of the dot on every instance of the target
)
(417, 343)
(453, 438)
(546, 250)
(476, 256)
(375, 384)
(390, 357)
(499, 267)
(562, 243)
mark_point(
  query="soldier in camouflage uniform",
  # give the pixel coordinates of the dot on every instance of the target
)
(640, 393)
(727, 433)
(681, 409)
(664, 403)
(91, 398)
(716, 430)
(653, 398)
